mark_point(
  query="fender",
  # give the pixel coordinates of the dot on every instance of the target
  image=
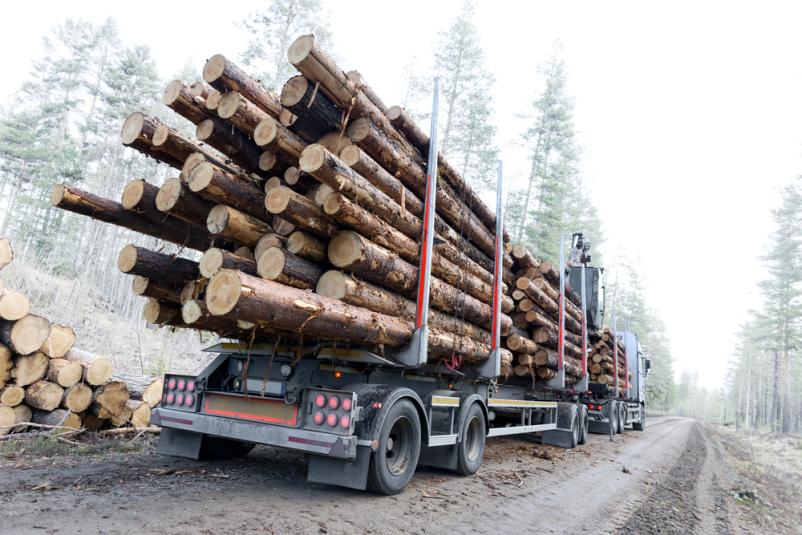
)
(466, 400)
(371, 420)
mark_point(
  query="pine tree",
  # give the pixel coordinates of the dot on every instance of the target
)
(272, 30)
(467, 136)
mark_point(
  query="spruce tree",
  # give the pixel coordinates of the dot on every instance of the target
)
(467, 135)
(271, 32)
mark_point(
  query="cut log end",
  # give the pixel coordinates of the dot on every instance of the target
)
(168, 195)
(57, 194)
(293, 91)
(211, 262)
(300, 49)
(277, 199)
(191, 311)
(126, 260)
(132, 127)
(267, 161)
(217, 221)
(350, 155)
(331, 284)
(201, 176)
(6, 251)
(214, 68)
(223, 292)
(133, 193)
(229, 104)
(272, 182)
(14, 306)
(59, 341)
(266, 242)
(161, 135)
(312, 158)
(172, 91)
(344, 249)
(204, 130)
(394, 112)
(29, 333)
(271, 263)
(265, 132)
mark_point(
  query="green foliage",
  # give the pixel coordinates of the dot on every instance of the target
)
(272, 30)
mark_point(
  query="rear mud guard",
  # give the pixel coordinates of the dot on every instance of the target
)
(562, 437)
(340, 472)
(178, 443)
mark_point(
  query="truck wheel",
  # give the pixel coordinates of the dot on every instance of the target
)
(613, 416)
(224, 448)
(576, 432)
(393, 463)
(471, 447)
(622, 417)
(641, 423)
(583, 428)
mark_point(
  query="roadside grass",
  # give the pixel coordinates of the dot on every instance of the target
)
(768, 471)
(38, 446)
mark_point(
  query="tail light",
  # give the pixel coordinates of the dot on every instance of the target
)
(330, 410)
(182, 384)
(179, 393)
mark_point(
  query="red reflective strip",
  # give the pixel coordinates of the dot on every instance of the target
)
(584, 344)
(615, 357)
(562, 334)
(420, 318)
(496, 297)
(176, 420)
(251, 416)
(311, 442)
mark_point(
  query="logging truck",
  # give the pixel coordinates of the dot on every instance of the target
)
(367, 419)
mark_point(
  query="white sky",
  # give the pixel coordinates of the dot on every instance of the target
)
(689, 114)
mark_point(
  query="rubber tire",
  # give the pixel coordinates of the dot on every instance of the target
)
(622, 419)
(380, 479)
(639, 426)
(224, 448)
(465, 466)
(613, 415)
(584, 424)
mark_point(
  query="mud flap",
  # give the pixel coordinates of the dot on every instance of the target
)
(340, 472)
(178, 443)
(443, 457)
(562, 437)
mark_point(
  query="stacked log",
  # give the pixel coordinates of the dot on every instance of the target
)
(46, 380)
(603, 367)
(286, 194)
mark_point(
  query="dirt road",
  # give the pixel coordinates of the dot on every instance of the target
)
(664, 480)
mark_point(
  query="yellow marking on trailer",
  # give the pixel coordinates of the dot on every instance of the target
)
(444, 401)
(494, 402)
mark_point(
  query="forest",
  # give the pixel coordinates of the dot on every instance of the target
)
(62, 126)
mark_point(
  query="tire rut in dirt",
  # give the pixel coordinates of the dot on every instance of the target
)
(670, 508)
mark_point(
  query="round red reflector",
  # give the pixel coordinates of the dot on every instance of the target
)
(182, 384)
(345, 422)
(334, 402)
(318, 418)
(170, 398)
(179, 399)
(331, 419)
(346, 404)
(190, 386)
(189, 399)
(171, 384)
(320, 400)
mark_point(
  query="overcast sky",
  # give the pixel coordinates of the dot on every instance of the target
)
(689, 115)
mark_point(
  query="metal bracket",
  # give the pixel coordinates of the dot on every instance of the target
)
(558, 381)
(415, 354)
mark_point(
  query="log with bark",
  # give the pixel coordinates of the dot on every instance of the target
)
(26, 335)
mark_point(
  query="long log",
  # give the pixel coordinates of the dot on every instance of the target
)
(316, 113)
(97, 369)
(30, 368)
(233, 224)
(282, 266)
(348, 250)
(271, 135)
(214, 259)
(146, 263)
(44, 395)
(258, 300)
(241, 112)
(178, 96)
(26, 335)
(224, 75)
(108, 211)
(63, 372)
(299, 210)
(13, 305)
(216, 185)
(306, 246)
(156, 289)
(230, 141)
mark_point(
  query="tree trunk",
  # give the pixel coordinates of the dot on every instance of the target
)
(316, 113)
(178, 96)
(224, 75)
(77, 398)
(306, 246)
(279, 265)
(299, 210)
(156, 289)
(110, 399)
(230, 141)
(233, 224)
(146, 263)
(64, 372)
(214, 259)
(13, 305)
(44, 395)
(81, 202)
(12, 395)
(25, 335)
(216, 185)
(58, 417)
(241, 112)
(30, 368)
(271, 135)
(97, 369)
(266, 241)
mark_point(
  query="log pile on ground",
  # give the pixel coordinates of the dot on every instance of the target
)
(46, 381)
(307, 208)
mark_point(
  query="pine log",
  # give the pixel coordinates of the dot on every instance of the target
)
(546, 303)
(6, 252)
(157, 313)
(282, 227)
(6, 364)
(524, 258)
(124, 416)
(299, 210)
(271, 135)
(7, 420)
(81, 202)
(338, 285)
(43, 395)
(175, 198)
(140, 413)
(64, 372)
(335, 142)
(348, 250)
(253, 299)
(554, 294)
(12, 395)
(25, 335)
(59, 341)
(142, 387)
(97, 369)
(224, 75)
(230, 223)
(194, 289)
(77, 398)
(146, 263)
(316, 113)
(216, 185)
(279, 265)
(547, 333)
(137, 132)
(272, 182)
(519, 343)
(178, 96)
(244, 252)
(23, 414)
(214, 259)
(241, 112)
(401, 120)
(110, 399)
(298, 180)
(152, 288)
(13, 305)
(306, 246)
(231, 141)
(266, 241)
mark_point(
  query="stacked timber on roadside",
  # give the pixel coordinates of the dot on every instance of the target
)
(307, 208)
(45, 380)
